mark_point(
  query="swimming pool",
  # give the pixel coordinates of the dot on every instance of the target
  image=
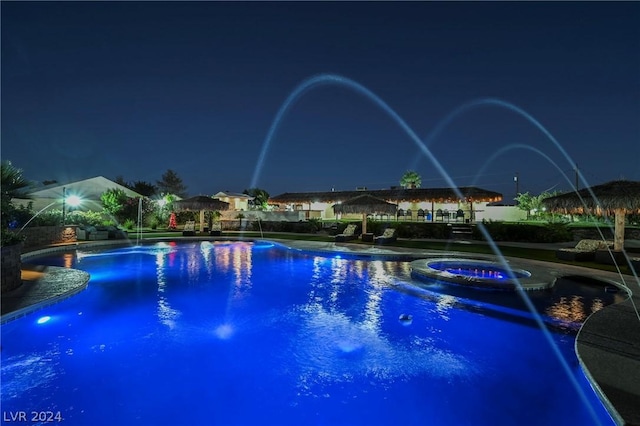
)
(252, 333)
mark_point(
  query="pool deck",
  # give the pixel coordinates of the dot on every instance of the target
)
(608, 344)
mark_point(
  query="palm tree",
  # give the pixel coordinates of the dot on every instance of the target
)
(13, 186)
(411, 179)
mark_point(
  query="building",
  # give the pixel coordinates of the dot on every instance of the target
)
(416, 204)
(237, 201)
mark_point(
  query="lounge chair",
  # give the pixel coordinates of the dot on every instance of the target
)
(189, 228)
(388, 236)
(409, 214)
(216, 229)
(348, 234)
(585, 250)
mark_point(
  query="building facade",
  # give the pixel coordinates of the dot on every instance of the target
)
(414, 204)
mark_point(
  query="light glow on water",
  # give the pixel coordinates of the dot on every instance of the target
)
(224, 331)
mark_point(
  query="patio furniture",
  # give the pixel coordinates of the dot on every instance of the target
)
(420, 215)
(409, 214)
(189, 229)
(439, 215)
(91, 233)
(400, 214)
(388, 236)
(98, 234)
(367, 238)
(460, 215)
(348, 234)
(585, 250)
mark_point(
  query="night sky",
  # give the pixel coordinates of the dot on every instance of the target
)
(133, 89)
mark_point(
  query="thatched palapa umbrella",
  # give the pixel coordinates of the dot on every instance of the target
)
(200, 203)
(365, 204)
(619, 196)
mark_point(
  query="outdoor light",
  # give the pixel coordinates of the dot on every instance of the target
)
(74, 200)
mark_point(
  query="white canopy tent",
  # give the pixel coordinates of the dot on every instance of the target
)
(88, 190)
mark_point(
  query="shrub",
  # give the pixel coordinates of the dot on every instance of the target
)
(129, 224)
(9, 238)
(518, 232)
(422, 230)
(315, 224)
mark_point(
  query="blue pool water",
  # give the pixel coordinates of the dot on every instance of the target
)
(477, 270)
(242, 333)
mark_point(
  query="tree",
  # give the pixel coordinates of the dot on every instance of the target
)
(172, 184)
(143, 188)
(260, 197)
(13, 185)
(410, 179)
(120, 181)
(525, 202)
(113, 201)
(533, 203)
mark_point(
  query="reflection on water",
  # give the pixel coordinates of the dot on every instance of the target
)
(23, 372)
(332, 348)
(573, 310)
(444, 304)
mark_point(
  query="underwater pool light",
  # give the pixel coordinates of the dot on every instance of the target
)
(43, 319)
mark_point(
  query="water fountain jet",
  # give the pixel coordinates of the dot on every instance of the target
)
(353, 85)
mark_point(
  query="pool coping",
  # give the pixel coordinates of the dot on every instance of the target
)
(607, 345)
(537, 279)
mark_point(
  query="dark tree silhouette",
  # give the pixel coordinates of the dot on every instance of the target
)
(171, 183)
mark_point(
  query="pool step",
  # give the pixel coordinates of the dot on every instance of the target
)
(462, 231)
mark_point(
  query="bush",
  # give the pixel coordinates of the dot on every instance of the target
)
(422, 230)
(129, 224)
(518, 232)
(9, 238)
(315, 224)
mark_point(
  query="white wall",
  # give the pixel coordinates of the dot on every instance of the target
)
(501, 213)
(276, 216)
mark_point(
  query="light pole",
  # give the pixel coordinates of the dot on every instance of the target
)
(515, 179)
(64, 205)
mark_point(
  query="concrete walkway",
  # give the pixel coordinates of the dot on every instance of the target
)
(608, 344)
